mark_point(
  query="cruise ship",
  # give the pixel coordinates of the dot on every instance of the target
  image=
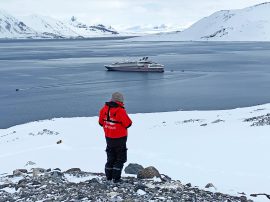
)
(142, 65)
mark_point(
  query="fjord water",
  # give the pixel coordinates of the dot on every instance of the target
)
(67, 78)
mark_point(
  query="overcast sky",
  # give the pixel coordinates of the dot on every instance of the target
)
(125, 12)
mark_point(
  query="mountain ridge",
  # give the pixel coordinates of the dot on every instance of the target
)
(247, 24)
(45, 27)
(12, 27)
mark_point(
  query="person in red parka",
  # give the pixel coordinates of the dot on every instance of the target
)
(115, 122)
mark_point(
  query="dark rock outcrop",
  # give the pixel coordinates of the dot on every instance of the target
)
(210, 185)
(263, 120)
(73, 170)
(148, 173)
(76, 185)
(19, 172)
(133, 168)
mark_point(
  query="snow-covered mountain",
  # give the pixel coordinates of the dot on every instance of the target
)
(149, 29)
(10, 27)
(248, 24)
(89, 31)
(36, 26)
(49, 26)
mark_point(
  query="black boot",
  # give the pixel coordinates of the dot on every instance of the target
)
(109, 173)
(116, 174)
(117, 181)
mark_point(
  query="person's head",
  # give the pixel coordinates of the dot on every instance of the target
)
(117, 97)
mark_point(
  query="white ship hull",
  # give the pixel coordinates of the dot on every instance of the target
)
(142, 65)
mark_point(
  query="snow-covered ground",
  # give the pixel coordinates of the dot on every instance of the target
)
(248, 24)
(193, 146)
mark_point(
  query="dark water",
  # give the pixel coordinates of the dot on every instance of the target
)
(67, 78)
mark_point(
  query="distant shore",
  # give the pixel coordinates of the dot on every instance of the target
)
(66, 39)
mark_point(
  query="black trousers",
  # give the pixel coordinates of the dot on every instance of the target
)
(116, 157)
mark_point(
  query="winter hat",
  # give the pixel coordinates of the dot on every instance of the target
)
(117, 97)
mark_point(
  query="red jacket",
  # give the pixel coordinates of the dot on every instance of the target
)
(114, 120)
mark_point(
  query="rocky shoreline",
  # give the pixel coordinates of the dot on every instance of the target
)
(49, 185)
